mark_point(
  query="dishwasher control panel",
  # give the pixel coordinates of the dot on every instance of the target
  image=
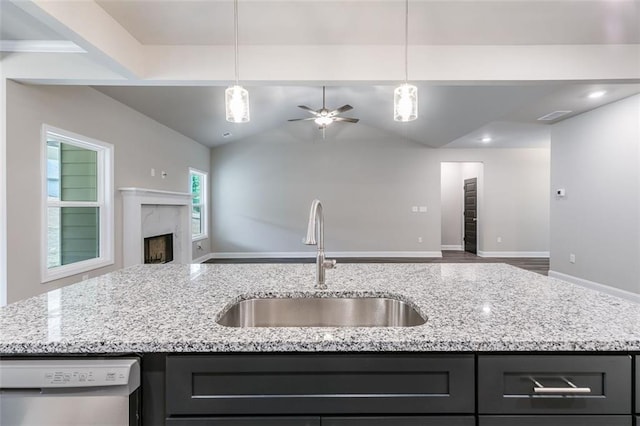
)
(103, 376)
(16, 374)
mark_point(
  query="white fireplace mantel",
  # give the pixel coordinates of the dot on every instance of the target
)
(133, 200)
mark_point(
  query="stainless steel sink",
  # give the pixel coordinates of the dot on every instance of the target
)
(322, 312)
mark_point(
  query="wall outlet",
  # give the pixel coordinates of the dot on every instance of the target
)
(199, 246)
(572, 258)
(414, 209)
(499, 239)
(419, 239)
(163, 174)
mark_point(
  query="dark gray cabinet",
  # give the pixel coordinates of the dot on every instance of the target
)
(245, 421)
(319, 384)
(391, 389)
(329, 421)
(400, 421)
(638, 387)
(554, 384)
(555, 421)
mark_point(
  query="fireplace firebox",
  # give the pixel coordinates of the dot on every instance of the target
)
(158, 249)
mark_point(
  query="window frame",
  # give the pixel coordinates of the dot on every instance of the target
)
(104, 202)
(204, 209)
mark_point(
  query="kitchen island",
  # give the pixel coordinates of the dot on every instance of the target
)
(501, 346)
(174, 308)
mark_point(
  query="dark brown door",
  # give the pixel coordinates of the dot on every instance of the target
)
(470, 215)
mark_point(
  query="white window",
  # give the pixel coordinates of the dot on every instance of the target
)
(198, 181)
(77, 219)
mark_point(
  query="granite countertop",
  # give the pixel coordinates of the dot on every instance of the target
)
(174, 308)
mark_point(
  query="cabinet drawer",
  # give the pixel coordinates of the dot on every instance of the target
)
(245, 421)
(289, 384)
(554, 384)
(555, 421)
(400, 421)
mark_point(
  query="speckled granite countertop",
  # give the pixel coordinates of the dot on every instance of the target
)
(173, 308)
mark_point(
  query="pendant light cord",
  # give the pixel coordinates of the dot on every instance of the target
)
(406, 41)
(235, 27)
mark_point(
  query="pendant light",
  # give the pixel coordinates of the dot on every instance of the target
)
(236, 97)
(405, 96)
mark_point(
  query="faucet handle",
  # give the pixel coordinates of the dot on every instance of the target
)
(329, 263)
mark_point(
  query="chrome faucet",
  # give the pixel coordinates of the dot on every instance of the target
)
(315, 229)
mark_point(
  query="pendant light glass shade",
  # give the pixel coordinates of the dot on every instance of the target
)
(405, 103)
(405, 96)
(236, 99)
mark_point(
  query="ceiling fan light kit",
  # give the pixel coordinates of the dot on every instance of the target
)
(323, 117)
(236, 97)
(405, 97)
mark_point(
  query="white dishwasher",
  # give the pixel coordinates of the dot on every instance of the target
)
(69, 392)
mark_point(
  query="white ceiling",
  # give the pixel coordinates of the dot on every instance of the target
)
(450, 116)
(483, 67)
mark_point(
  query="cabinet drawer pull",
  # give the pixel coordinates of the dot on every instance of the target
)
(568, 391)
(572, 389)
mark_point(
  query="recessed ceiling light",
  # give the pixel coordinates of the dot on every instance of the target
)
(486, 139)
(226, 134)
(597, 94)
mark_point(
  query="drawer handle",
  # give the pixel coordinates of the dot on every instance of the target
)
(572, 389)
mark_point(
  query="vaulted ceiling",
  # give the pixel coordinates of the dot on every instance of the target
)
(483, 67)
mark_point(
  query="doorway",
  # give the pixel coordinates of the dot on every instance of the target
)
(461, 206)
(470, 215)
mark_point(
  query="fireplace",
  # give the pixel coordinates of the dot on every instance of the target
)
(149, 212)
(158, 249)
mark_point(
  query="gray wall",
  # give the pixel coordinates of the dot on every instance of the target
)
(595, 157)
(140, 144)
(368, 181)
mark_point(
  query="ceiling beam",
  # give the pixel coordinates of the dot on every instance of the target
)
(40, 46)
(57, 68)
(370, 63)
(86, 24)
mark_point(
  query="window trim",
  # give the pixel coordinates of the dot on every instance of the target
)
(105, 201)
(204, 207)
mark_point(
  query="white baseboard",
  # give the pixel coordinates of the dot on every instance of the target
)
(613, 291)
(311, 254)
(452, 247)
(202, 259)
(513, 253)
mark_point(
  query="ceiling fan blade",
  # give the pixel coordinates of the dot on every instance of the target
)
(301, 119)
(306, 108)
(343, 108)
(346, 119)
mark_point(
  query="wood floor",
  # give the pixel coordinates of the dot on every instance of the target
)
(534, 264)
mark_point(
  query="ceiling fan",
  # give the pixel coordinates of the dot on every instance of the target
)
(323, 117)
